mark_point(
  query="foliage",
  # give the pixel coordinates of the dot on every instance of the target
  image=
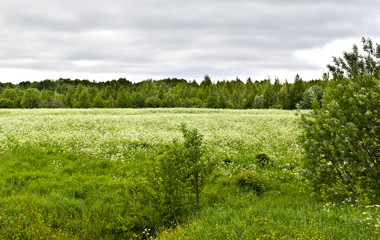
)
(258, 102)
(164, 93)
(196, 169)
(341, 139)
(356, 64)
(30, 99)
(250, 181)
(173, 184)
(263, 159)
(153, 102)
(314, 93)
(98, 102)
(6, 103)
(171, 195)
(295, 92)
(83, 99)
(10, 94)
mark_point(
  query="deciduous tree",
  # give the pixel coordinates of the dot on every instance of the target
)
(341, 139)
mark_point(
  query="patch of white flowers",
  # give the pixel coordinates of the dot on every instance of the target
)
(106, 133)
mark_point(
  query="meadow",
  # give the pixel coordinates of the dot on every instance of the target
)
(68, 174)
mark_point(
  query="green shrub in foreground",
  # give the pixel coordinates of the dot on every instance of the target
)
(173, 184)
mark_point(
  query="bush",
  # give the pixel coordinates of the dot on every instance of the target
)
(5, 103)
(341, 139)
(263, 159)
(250, 181)
(173, 184)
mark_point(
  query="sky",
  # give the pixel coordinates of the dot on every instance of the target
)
(147, 39)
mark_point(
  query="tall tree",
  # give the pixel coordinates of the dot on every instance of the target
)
(283, 97)
(30, 99)
(122, 100)
(341, 139)
(84, 99)
(98, 102)
(269, 95)
(296, 92)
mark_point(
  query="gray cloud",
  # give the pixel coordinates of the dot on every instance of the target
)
(170, 38)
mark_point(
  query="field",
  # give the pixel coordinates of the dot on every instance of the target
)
(67, 174)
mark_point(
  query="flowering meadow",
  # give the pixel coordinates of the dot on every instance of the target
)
(77, 174)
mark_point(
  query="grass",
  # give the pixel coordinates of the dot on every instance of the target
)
(66, 174)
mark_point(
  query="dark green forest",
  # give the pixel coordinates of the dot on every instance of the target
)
(166, 93)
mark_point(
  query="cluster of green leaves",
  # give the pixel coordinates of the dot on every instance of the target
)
(172, 185)
(341, 139)
(263, 159)
(250, 181)
(162, 93)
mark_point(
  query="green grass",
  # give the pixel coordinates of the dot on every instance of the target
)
(66, 174)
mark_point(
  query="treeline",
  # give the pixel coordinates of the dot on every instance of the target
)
(166, 93)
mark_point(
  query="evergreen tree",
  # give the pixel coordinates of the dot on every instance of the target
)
(98, 102)
(161, 93)
(70, 101)
(110, 103)
(296, 92)
(236, 100)
(84, 99)
(269, 96)
(283, 97)
(211, 101)
(122, 100)
(153, 102)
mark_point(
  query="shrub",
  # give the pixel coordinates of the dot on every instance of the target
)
(5, 103)
(263, 159)
(173, 185)
(250, 181)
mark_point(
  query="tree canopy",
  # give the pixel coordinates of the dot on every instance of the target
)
(171, 92)
(341, 139)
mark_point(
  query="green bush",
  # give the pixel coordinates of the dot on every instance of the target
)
(173, 184)
(250, 181)
(5, 103)
(263, 159)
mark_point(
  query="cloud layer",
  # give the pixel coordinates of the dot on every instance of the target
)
(154, 39)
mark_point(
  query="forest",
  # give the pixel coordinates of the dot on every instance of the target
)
(166, 93)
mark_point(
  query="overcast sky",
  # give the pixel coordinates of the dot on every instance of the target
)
(142, 39)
